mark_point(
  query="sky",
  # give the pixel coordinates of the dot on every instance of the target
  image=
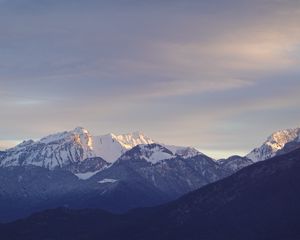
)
(220, 76)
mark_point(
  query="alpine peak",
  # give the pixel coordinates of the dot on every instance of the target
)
(275, 143)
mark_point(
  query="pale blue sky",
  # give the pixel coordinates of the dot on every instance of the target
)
(216, 75)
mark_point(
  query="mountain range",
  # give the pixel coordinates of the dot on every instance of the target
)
(113, 172)
(258, 202)
(63, 149)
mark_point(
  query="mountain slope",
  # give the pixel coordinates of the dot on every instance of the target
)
(259, 202)
(275, 144)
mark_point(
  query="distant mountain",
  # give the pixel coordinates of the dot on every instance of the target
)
(169, 173)
(152, 153)
(144, 176)
(279, 142)
(184, 152)
(55, 151)
(145, 173)
(68, 150)
(259, 202)
(234, 163)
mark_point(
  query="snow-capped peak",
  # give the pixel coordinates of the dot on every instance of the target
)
(111, 146)
(151, 152)
(56, 150)
(131, 140)
(79, 135)
(184, 152)
(276, 142)
(278, 139)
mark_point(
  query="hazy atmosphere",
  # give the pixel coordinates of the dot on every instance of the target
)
(216, 75)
